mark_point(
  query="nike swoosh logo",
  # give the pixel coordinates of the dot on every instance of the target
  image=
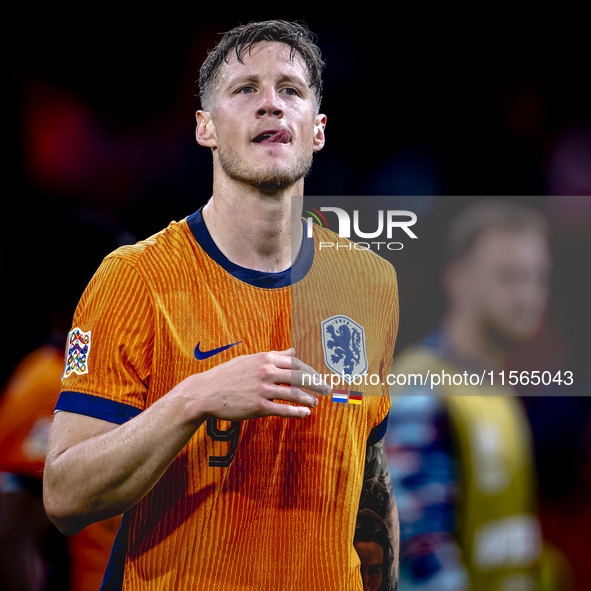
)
(201, 355)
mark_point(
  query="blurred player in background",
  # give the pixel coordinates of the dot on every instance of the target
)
(180, 339)
(35, 556)
(460, 455)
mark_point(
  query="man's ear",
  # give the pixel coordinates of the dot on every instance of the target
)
(457, 282)
(205, 131)
(319, 125)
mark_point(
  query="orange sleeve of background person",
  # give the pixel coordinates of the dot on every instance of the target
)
(26, 412)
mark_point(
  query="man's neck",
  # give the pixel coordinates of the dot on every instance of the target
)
(256, 230)
(467, 338)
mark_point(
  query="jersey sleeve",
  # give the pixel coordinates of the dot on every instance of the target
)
(391, 318)
(109, 349)
(378, 432)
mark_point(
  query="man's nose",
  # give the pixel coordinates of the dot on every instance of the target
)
(366, 581)
(270, 104)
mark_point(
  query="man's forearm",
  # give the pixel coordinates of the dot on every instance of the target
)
(95, 470)
(109, 472)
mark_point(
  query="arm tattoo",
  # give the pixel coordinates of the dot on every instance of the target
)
(377, 494)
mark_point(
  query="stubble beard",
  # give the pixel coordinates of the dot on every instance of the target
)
(268, 179)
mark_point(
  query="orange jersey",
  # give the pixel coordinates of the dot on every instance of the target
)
(26, 413)
(267, 503)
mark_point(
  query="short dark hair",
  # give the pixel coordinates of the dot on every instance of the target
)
(488, 214)
(242, 38)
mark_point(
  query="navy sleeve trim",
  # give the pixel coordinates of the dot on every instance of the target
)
(378, 431)
(97, 407)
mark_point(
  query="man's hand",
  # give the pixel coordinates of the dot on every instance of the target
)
(245, 387)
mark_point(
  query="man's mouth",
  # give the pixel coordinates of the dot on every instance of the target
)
(272, 136)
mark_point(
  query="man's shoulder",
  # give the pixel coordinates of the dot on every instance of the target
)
(355, 257)
(159, 250)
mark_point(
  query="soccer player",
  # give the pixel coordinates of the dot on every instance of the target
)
(464, 471)
(189, 399)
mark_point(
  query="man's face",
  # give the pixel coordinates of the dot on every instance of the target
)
(371, 555)
(265, 125)
(506, 281)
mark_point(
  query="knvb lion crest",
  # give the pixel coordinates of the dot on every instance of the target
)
(343, 342)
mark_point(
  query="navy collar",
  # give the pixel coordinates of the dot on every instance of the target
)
(250, 276)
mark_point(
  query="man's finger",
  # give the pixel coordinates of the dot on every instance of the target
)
(311, 380)
(290, 352)
(293, 395)
(305, 378)
(286, 410)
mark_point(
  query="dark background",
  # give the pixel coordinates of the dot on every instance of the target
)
(432, 108)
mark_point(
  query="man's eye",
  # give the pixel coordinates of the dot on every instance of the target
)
(375, 571)
(291, 91)
(246, 89)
